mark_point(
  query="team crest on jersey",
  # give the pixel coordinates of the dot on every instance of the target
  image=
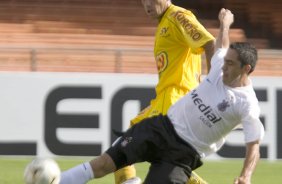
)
(223, 105)
(164, 32)
(162, 61)
(126, 141)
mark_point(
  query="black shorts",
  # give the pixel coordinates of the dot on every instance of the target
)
(154, 140)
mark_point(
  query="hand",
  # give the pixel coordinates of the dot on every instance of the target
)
(242, 180)
(225, 17)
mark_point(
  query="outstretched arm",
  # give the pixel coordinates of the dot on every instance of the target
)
(209, 51)
(251, 159)
(226, 18)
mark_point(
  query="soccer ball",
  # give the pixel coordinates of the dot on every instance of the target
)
(42, 171)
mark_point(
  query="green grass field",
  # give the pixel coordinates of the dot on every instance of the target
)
(215, 172)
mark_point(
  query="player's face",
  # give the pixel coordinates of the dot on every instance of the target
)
(232, 70)
(155, 8)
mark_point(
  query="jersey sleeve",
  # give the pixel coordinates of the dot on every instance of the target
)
(193, 32)
(252, 126)
(217, 63)
(218, 57)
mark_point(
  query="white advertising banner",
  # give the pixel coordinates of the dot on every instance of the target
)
(49, 114)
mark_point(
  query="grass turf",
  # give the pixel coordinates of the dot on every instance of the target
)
(215, 172)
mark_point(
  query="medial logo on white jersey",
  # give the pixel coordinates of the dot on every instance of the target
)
(206, 110)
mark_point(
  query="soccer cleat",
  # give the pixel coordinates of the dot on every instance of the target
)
(135, 180)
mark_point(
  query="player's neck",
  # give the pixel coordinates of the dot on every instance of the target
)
(240, 81)
(164, 11)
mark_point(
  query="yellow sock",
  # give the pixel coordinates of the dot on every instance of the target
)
(196, 179)
(124, 174)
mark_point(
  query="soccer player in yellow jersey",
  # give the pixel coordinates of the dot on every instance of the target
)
(179, 42)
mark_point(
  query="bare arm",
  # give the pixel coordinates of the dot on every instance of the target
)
(226, 18)
(251, 159)
(209, 51)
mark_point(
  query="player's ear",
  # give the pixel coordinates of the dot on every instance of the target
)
(247, 68)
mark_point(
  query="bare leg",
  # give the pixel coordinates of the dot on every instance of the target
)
(102, 165)
(83, 173)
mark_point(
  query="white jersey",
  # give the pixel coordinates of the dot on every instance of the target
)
(207, 114)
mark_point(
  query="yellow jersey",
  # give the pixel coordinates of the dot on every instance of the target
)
(178, 46)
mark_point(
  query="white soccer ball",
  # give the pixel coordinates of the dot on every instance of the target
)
(42, 171)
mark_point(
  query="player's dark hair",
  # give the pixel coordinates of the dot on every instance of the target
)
(247, 54)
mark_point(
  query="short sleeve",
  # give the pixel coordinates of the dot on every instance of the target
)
(194, 33)
(216, 63)
(218, 56)
(252, 126)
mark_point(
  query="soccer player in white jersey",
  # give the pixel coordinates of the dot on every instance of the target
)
(194, 127)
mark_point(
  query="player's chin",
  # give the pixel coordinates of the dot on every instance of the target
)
(225, 80)
(153, 16)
